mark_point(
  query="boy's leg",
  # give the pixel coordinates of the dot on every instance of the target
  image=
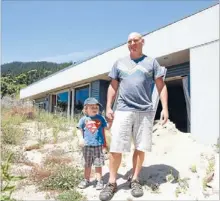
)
(87, 172)
(98, 171)
(87, 155)
(99, 183)
(99, 161)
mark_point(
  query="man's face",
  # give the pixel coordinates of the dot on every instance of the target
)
(135, 43)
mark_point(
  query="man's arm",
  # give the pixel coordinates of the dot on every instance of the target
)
(112, 90)
(162, 90)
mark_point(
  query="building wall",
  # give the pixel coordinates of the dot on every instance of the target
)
(99, 91)
(95, 89)
(103, 92)
(204, 70)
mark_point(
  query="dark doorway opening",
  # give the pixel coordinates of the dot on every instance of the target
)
(176, 105)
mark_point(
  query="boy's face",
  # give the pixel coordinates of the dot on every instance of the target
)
(92, 109)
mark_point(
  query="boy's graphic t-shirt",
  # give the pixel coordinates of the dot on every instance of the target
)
(93, 129)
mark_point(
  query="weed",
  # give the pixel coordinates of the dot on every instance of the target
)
(51, 160)
(39, 173)
(209, 174)
(183, 186)
(170, 177)
(62, 178)
(7, 182)
(6, 151)
(177, 191)
(56, 122)
(71, 195)
(41, 129)
(193, 168)
(210, 168)
(11, 133)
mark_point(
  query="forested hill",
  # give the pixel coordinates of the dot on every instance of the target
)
(16, 68)
(17, 75)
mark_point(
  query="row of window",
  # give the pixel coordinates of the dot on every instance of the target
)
(81, 94)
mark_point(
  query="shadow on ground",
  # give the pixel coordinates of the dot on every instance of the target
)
(152, 176)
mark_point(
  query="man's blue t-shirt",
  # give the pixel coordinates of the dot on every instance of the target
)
(135, 82)
(93, 129)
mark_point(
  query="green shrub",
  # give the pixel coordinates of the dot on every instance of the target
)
(71, 195)
(62, 178)
(11, 134)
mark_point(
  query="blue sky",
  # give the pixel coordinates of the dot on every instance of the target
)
(62, 31)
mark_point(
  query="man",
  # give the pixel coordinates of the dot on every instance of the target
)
(133, 119)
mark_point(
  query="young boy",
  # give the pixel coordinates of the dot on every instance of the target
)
(90, 132)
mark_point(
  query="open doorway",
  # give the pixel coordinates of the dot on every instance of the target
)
(176, 105)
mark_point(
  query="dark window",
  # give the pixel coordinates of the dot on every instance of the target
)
(81, 94)
(62, 102)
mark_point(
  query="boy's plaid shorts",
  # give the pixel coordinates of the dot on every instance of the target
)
(93, 155)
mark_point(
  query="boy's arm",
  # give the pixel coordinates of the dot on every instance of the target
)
(79, 134)
(104, 136)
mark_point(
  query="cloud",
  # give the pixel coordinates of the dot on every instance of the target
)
(73, 56)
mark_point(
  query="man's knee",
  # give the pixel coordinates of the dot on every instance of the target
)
(139, 151)
(115, 154)
(139, 154)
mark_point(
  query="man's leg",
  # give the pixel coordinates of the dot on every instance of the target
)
(114, 163)
(142, 136)
(138, 159)
(120, 142)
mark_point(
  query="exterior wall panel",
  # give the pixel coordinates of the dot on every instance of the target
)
(103, 92)
(95, 89)
(204, 68)
(178, 70)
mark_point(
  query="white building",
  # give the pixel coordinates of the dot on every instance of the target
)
(188, 48)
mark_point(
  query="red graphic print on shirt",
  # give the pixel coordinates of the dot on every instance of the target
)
(93, 125)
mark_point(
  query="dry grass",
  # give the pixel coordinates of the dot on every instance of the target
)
(209, 173)
(39, 173)
(32, 147)
(57, 160)
(56, 173)
(25, 112)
